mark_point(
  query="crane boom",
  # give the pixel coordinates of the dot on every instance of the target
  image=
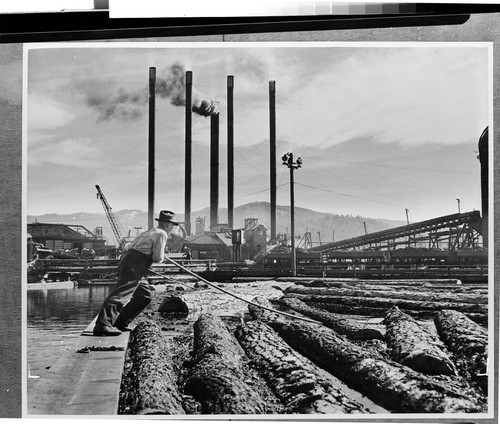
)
(113, 221)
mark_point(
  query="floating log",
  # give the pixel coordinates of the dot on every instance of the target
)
(380, 312)
(348, 327)
(468, 341)
(386, 302)
(394, 386)
(421, 295)
(151, 380)
(216, 378)
(458, 289)
(173, 304)
(435, 285)
(412, 345)
(296, 381)
(251, 279)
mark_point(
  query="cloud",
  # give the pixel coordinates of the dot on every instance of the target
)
(411, 96)
(45, 113)
(74, 152)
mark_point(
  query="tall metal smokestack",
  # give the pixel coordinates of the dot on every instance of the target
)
(151, 152)
(214, 169)
(272, 139)
(230, 150)
(483, 159)
(188, 153)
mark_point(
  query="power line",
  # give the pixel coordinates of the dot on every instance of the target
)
(347, 195)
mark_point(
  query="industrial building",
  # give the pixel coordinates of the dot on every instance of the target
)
(66, 237)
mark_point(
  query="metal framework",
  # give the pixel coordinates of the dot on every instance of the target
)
(451, 232)
(113, 221)
(305, 241)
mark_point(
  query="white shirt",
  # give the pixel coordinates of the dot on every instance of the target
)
(151, 243)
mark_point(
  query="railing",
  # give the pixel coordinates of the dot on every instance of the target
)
(88, 269)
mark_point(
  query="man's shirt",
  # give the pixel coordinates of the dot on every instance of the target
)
(151, 243)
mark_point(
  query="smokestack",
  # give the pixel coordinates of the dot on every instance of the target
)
(214, 169)
(272, 140)
(483, 159)
(230, 150)
(188, 153)
(151, 152)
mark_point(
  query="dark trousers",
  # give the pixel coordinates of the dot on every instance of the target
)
(130, 295)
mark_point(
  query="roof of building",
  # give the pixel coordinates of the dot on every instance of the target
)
(254, 227)
(65, 230)
(205, 238)
(226, 238)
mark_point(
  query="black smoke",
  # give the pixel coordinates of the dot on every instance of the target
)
(170, 84)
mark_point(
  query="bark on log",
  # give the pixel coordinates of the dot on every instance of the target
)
(435, 285)
(296, 381)
(348, 327)
(251, 279)
(392, 385)
(468, 341)
(381, 302)
(413, 346)
(216, 378)
(421, 295)
(380, 312)
(152, 381)
(458, 289)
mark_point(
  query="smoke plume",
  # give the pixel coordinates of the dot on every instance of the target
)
(170, 84)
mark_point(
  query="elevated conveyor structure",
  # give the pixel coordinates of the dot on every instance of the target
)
(450, 232)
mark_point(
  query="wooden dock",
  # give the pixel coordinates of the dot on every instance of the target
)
(82, 383)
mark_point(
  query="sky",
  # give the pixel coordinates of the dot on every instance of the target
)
(380, 128)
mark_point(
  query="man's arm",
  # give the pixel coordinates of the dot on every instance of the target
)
(159, 247)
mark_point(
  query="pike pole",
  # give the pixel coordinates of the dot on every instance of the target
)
(232, 294)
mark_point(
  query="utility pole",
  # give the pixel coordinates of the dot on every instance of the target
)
(333, 235)
(319, 236)
(458, 200)
(407, 219)
(364, 223)
(288, 161)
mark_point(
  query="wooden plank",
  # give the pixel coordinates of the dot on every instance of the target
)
(82, 383)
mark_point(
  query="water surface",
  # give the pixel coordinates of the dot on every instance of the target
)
(55, 319)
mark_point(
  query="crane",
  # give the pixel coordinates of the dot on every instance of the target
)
(113, 221)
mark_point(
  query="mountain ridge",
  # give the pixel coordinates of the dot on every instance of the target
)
(324, 227)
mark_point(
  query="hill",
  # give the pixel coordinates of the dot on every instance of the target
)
(326, 224)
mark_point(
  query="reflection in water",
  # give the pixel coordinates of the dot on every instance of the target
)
(56, 317)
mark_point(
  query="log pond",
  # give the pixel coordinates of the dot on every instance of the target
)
(292, 367)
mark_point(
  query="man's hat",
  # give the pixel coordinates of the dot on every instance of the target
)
(166, 216)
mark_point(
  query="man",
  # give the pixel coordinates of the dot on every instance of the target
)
(116, 314)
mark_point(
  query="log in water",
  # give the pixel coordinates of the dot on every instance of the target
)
(342, 325)
(392, 385)
(216, 378)
(387, 302)
(380, 312)
(152, 381)
(296, 381)
(468, 341)
(434, 285)
(422, 294)
(412, 345)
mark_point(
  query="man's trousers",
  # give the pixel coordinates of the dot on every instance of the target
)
(131, 294)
